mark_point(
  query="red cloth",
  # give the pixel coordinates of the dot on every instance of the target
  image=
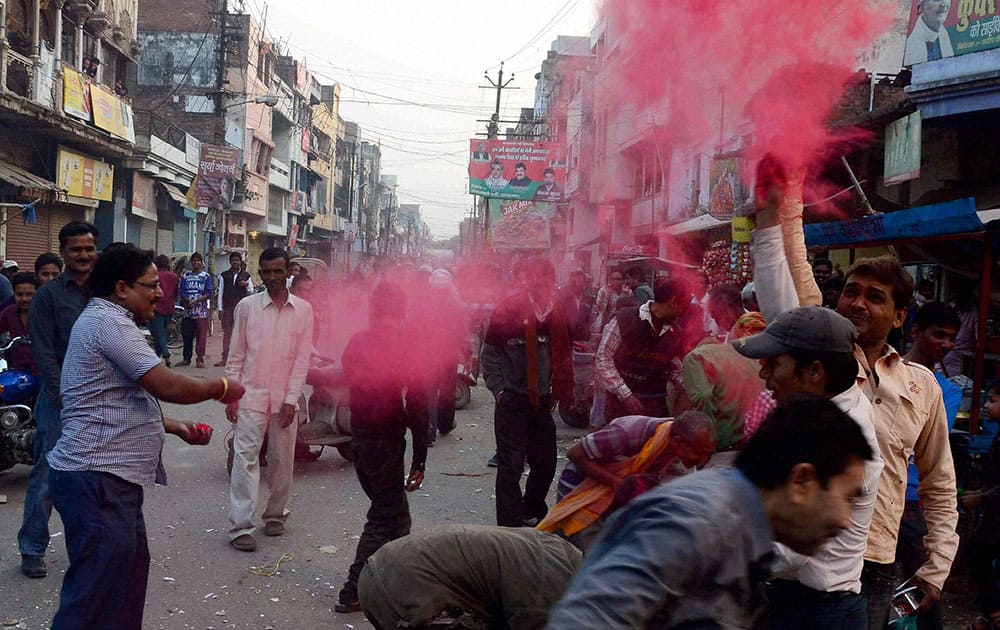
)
(168, 283)
(20, 358)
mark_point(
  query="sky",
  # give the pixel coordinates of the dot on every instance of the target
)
(410, 76)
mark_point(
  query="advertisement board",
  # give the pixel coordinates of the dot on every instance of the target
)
(217, 175)
(84, 176)
(520, 224)
(111, 113)
(76, 96)
(938, 29)
(143, 196)
(902, 149)
(517, 170)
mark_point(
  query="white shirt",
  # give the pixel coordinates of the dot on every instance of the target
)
(916, 43)
(837, 565)
(772, 277)
(270, 351)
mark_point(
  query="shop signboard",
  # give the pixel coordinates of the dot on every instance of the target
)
(939, 29)
(217, 175)
(517, 170)
(902, 149)
(520, 224)
(84, 176)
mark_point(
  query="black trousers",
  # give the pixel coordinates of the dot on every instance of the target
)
(982, 557)
(378, 460)
(523, 433)
(228, 320)
(105, 584)
(614, 408)
(878, 581)
(911, 555)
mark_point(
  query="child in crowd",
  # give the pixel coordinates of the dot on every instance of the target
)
(986, 542)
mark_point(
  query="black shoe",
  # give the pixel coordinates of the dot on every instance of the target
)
(33, 566)
(493, 461)
(347, 602)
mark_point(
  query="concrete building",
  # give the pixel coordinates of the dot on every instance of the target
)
(66, 124)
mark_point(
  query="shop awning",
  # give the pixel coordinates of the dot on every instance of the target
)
(696, 224)
(940, 219)
(23, 179)
(174, 193)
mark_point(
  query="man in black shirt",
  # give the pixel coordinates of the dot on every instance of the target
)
(378, 369)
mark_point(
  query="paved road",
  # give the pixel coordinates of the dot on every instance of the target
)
(197, 581)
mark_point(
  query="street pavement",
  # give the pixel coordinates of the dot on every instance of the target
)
(196, 580)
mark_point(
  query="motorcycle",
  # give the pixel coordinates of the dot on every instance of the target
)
(174, 338)
(324, 416)
(18, 391)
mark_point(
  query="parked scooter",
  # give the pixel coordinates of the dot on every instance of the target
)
(324, 415)
(18, 391)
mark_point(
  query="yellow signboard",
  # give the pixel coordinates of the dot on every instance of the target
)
(111, 113)
(76, 96)
(83, 176)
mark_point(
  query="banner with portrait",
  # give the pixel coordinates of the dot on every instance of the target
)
(517, 170)
(939, 29)
(218, 170)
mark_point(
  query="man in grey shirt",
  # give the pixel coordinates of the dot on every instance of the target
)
(695, 552)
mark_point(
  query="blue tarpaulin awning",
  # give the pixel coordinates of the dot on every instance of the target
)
(940, 219)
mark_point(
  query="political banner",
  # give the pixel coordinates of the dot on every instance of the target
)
(946, 28)
(517, 170)
(520, 224)
(217, 175)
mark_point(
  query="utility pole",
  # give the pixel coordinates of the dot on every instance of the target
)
(493, 128)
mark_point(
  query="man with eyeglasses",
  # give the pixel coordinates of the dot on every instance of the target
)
(52, 314)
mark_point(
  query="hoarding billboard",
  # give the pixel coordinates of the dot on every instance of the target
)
(84, 176)
(217, 174)
(520, 224)
(517, 170)
(945, 28)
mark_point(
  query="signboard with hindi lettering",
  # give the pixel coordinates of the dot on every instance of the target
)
(218, 168)
(517, 169)
(902, 149)
(945, 28)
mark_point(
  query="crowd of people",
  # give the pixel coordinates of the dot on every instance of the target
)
(762, 457)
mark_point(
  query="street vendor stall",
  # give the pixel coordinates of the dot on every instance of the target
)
(952, 235)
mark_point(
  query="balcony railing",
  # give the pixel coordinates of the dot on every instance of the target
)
(18, 73)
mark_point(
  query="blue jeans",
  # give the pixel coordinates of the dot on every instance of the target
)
(33, 537)
(105, 584)
(792, 606)
(158, 328)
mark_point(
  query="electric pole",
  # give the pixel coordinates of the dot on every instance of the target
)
(493, 128)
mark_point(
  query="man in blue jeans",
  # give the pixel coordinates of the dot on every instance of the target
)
(54, 310)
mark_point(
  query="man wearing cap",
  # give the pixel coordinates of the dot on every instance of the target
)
(908, 411)
(809, 350)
